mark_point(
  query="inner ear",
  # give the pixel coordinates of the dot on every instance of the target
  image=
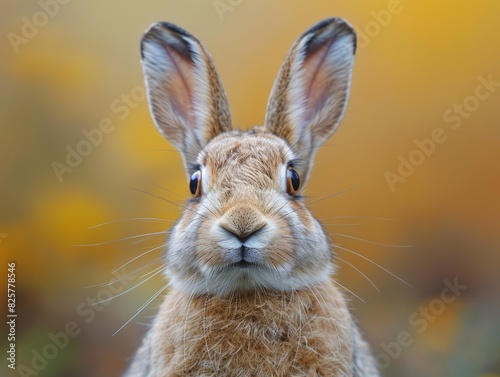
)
(310, 94)
(181, 82)
(187, 100)
(316, 79)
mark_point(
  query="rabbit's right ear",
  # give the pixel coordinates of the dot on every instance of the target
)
(309, 96)
(186, 97)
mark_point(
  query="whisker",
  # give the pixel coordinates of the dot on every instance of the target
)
(316, 201)
(139, 256)
(145, 219)
(142, 308)
(157, 271)
(165, 189)
(332, 195)
(374, 263)
(298, 238)
(357, 269)
(146, 239)
(182, 197)
(324, 224)
(371, 242)
(132, 273)
(124, 239)
(168, 201)
(157, 197)
(360, 217)
(348, 290)
(153, 271)
(154, 261)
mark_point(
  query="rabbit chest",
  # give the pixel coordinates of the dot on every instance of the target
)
(300, 333)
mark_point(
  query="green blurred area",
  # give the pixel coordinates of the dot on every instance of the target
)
(417, 61)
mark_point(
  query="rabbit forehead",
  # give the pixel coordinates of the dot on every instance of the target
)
(246, 156)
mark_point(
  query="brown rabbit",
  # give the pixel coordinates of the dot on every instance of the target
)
(249, 267)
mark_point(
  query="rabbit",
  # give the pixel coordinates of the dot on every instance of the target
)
(249, 267)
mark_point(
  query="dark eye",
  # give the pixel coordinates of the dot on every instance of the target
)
(292, 181)
(195, 184)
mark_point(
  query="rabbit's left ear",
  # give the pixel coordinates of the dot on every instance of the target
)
(309, 96)
(186, 97)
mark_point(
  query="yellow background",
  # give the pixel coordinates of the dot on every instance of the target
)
(413, 65)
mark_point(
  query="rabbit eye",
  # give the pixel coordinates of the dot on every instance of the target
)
(292, 181)
(195, 184)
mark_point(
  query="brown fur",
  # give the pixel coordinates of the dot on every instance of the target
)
(306, 333)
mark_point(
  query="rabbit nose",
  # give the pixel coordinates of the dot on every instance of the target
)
(242, 222)
(242, 236)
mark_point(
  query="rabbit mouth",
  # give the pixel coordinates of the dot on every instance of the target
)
(243, 257)
(243, 264)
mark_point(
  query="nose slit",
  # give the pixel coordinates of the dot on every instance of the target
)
(242, 236)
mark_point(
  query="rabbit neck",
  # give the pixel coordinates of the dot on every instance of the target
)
(260, 332)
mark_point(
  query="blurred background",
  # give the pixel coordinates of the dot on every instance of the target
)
(417, 158)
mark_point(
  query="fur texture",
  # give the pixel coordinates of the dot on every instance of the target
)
(298, 333)
(249, 267)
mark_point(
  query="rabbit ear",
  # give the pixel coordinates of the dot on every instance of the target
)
(186, 97)
(309, 96)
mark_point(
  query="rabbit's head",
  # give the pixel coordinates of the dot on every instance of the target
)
(246, 226)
